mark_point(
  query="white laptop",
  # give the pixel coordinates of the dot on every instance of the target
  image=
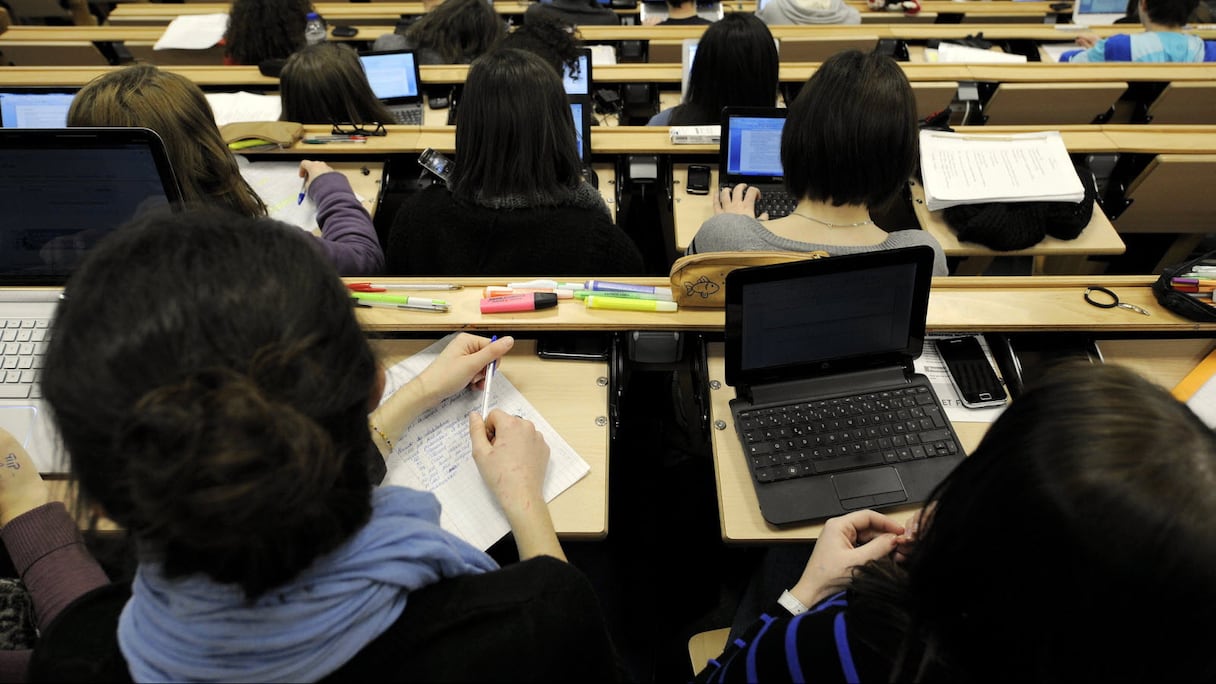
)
(1098, 12)
(62, 190)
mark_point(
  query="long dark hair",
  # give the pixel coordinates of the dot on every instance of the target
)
(211, 385)
(1076, 543)
(265, 29)
(459, 30)
(514, 132)
(325, 83)
(736, 66)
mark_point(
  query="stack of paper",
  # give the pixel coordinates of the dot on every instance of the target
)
(961, 54)
(193, 32)
(974, 169)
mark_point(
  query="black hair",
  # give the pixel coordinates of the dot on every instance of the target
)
(1170, 12)
(851, 135)
(325, 83)
(549, 39)
(459, 30)
(514, 132)
(736, 65)
(259, 30)
(211, 385)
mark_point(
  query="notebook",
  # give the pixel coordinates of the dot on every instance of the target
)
(35, 107)
(62, 191)
(578, 82)
(394, 78)
(580, 111)
(1097, 12)
(750, 152)
(830, 412)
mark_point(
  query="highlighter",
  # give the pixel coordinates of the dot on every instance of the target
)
(583, 294)
(625, 304)
(604, 285)
(499, 291)
(528, 301)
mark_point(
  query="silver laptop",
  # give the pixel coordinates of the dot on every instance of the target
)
(63, 190)
(395, 80)
(35, 107)
(1098, 12)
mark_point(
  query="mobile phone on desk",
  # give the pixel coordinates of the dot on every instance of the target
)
(573, 347)
(698, 179)
(970, 373)
(436, 163)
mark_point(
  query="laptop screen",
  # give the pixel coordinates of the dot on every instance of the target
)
(64, 189)
(753, 144)
(578, 83)
(823, 316)
(1098, 11)
(687, 54)
(580, 109)
(392, 75)
(35, 107)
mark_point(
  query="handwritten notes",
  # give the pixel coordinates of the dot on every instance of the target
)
(436, 454)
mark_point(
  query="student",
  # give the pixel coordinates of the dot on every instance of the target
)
(683, 13)
(324, 84)
(573, 13)
(261, 30)
(808, 12)
(1074, 544)
(455, 32)
(225, 425)
(175, 108)
(736, 65)
(849, 145)
(1161, 41)
(549, 39)
(516, 203)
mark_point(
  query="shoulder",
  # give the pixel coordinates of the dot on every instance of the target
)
(915, 237)
(81, 644)
(730, 232)
(663, 118)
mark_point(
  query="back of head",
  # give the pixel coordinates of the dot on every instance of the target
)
(1170, 12)
(736, 65)
(265, 29)
(851, 135)
(324, 84)
(459, 30)
(211, 386)
(176, 109)
(1076, 543)
(547, 38)
(514, 132)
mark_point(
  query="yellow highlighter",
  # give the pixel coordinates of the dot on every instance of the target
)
(621, 304)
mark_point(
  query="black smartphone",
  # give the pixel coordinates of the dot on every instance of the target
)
(345, 31)
(970, 372)
(590, 347)
(436, 163)
(698, 179)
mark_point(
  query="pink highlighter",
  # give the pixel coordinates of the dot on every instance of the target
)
(528, 301)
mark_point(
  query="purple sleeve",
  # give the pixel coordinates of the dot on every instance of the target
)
(347, 235)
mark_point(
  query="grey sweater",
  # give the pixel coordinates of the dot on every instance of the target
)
(808, 12)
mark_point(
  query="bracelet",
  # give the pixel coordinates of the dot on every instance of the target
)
(791, 603)
(376, 429)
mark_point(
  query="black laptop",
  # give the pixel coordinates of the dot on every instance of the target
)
(580, 111)
(830, 412)
(749, 152)
(396, 82)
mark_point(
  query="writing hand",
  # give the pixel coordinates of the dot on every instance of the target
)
(511, 457)
(311, 169)
(21, 487)
(846, 542)
(462, 363)
(740, 199)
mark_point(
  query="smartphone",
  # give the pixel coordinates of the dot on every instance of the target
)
(345, 32)
(698, 179)
(577, 347)
(970, 372)
(436, 163)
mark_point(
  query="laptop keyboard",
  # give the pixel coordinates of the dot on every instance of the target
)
(844, 433)
(21, 348)
(775, 201)
(409, 117)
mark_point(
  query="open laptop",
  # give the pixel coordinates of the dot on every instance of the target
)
(580, 111)
(578, 81)
(394, 78)
(62, 190)
(750, 152)
(688, 52)
(1098, 12)
(830, 412)
(35, 107)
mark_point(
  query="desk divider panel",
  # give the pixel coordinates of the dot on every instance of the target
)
(1185, 103)
(1032, 104)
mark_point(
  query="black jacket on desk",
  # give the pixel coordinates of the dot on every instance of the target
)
(575, 12)
(537, 620)
(436, 235)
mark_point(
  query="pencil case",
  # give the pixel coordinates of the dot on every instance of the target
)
(699, 280)
(243, 135)
(1183, 303)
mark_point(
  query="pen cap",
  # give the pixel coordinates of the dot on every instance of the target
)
(519, 302)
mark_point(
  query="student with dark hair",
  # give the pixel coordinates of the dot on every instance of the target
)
(573, 13)
(260, 30)
(1163, 39)
(325, 83)
(549, 39)
(516, 202)
(736, 65)
(455, 32)
(683, 13)
(175, 108)
(1074, 544)
(849, 145)
(225, 426)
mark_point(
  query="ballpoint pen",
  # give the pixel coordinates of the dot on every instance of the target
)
(303, 185)
(385, 287)
(415, 306)
(485, 396)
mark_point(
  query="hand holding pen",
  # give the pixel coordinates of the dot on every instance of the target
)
(309, 170)
(461, 364)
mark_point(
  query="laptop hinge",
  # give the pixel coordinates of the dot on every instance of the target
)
(851, 383)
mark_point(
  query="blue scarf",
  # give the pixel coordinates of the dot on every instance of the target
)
(195, 629)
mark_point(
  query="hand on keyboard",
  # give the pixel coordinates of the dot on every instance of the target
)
(740, 199)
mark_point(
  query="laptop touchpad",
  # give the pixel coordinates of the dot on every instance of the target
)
(869, 488)
(19, 422)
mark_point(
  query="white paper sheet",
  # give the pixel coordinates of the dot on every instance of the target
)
(1203, 403)
(972, 168)
(193, 32)
(278, 184)
(961, 54)
(436, 454)
(931, 365)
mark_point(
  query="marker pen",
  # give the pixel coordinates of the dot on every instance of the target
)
(545, 284)
(440, 308)
(623, 304)
(397, 299)
(528, 301)
(605, 285)
(583, 294)
(500, 291)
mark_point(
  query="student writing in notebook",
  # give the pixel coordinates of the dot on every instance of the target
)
(1163, 39)
(224, 423)
(849, 145)
(175, 108)
(324, 84)
(1075, 544)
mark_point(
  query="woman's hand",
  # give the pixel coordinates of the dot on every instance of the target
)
(511, 457)
(1088, 40)
(461, 364)
(846, 542)
(21, 487)
(740, 199)
(310, 169)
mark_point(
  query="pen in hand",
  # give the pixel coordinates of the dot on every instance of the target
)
(485, 396)
(303, 185)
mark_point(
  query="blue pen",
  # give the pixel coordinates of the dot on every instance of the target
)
(485, 396)
(303, 185)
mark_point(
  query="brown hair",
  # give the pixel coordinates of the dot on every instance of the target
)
(325, 83)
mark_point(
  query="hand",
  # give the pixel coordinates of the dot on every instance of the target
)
(652, 21)
(846, 542)
(461, 364)
(740, 199)
(21, 487)
(311, 169)
(1088, 40)
(511, 457)
(913, 527)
